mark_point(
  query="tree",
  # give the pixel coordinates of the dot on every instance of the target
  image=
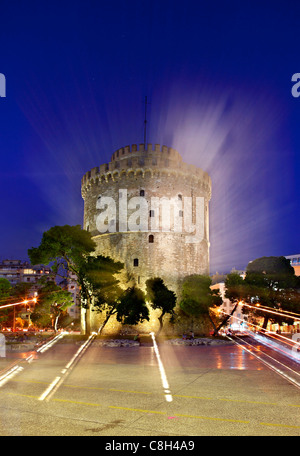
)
(235, 292)
(66, 248)
(271, 282)
(5, 291)
(19, 293)
(132, 308)
(98, 278)
(52, 303)
(198, 299)
(161, 298)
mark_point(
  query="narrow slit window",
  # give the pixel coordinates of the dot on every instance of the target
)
(151, 238)
(135, 262)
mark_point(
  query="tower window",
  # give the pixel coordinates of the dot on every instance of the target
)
(135, 262)
(180, 213)
(151, 213)
(142, 192)
(151, 238)
(180, 197)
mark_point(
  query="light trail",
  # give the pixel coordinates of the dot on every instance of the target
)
(285, 340)
(10, 374)
(268, 364)
(49, 344)
(275, 312)
(165, 383)
(19, 303)
(55, 384)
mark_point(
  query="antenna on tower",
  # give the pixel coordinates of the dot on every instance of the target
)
(145, 122)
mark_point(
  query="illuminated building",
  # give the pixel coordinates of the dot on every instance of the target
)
(238, 320)
(151, 250)
(17, 271)
(295, 262)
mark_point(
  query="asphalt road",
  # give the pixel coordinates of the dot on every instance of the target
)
(136, 391)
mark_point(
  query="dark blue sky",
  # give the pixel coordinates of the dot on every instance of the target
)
(218, 77)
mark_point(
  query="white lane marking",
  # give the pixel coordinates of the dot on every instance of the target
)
(50, 390)
(10, 374)
(165, 383)
(49, 344)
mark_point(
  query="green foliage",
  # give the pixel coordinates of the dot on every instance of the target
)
(278, 267)
(198, 299)
(197, 296)
(160, 297)
(271, 282)
(52, 302)
(5, 289)
(98, 278)
(69, 248)
(132, 308)
(234, 285)
(62, 245)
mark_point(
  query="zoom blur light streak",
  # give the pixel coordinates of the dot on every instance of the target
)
(165, 383)
(55, 384)
(26, 301)
(275, 312)
(49, 344)
(10, 374)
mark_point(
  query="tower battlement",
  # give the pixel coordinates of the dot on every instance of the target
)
(134, 181)
(139, 160)
(167, 152)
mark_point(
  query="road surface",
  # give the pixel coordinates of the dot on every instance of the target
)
(222, 390)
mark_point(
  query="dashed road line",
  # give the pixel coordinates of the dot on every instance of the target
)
(158, 412)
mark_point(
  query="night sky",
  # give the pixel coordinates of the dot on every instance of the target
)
(218, 79)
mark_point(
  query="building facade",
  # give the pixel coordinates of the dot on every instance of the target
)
(295, 262)
(17, 271)
(150, 210)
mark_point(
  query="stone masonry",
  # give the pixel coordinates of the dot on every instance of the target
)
(155, 173)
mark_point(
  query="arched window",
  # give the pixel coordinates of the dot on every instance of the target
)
(135, 262)
(151, 238)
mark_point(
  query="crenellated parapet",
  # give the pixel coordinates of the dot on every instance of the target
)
(129, 162)
(149, 210)
(150, 150)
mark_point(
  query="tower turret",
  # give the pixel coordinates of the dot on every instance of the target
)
(150, 210)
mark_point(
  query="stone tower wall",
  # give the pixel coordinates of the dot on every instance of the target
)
(158, 172)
